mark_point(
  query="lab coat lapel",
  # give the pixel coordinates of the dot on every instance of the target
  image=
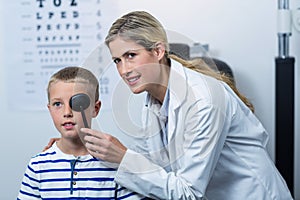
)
(154, 142)
(153, 137)
(178, 89)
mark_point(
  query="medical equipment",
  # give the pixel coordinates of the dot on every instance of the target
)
(285, 93)
(80, 102)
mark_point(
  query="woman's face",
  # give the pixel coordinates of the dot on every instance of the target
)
(139, 68)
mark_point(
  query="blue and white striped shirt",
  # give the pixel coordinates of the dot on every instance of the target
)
(54, 175)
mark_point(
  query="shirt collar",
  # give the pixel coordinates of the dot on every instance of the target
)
(165, 106)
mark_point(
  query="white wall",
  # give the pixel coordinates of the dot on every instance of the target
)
(242, 33)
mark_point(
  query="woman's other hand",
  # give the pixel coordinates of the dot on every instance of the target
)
(50, 143)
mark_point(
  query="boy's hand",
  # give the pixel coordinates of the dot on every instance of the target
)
(50, 143)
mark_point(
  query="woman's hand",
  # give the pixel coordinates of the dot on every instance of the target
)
(50, 143)
(104, 146)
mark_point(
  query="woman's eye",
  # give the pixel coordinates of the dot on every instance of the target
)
(131, 55)
(117, 60)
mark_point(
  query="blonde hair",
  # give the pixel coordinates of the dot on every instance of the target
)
(75, 74)
(147, 31)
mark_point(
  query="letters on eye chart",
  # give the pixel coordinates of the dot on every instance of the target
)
(48, 35)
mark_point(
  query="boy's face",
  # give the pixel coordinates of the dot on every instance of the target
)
(67, 121)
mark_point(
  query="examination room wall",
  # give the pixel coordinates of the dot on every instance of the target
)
(241, 33)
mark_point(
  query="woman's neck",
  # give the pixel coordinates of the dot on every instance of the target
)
(158, 91)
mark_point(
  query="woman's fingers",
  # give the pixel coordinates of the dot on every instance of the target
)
(50, 143)
(104, 146)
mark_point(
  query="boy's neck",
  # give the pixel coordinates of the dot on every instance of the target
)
(72, 147)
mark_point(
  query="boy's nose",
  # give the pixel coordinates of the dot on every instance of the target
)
(68, 112)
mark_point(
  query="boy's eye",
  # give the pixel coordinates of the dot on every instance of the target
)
(117, 60)
(56, 104)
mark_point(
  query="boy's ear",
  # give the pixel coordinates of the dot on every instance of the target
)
(96, 108)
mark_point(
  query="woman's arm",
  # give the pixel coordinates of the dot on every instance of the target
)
(193, 156)
(199, 145)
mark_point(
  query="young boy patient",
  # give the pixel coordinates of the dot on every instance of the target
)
(66, 170)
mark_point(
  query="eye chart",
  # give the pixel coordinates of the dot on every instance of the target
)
(43, 36)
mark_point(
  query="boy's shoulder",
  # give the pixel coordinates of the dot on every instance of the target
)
(49, 152)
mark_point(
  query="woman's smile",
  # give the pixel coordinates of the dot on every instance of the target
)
(133, 80)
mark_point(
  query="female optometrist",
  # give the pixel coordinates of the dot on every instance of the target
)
(200, 139)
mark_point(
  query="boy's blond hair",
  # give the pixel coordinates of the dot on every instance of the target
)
(78, 75)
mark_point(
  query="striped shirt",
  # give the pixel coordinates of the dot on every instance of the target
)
(54, 175)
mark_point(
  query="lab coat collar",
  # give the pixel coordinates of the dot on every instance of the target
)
(177, 84)
(177, 87)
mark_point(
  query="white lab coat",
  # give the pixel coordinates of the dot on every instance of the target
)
(216, 147)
